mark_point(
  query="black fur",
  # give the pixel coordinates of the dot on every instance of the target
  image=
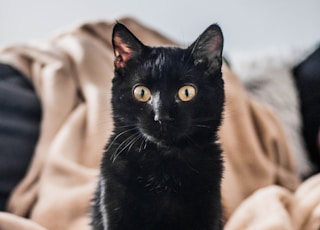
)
(162, 166)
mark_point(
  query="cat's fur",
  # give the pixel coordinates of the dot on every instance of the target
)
(162, 166)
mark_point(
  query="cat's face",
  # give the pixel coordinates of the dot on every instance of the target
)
(171, 95)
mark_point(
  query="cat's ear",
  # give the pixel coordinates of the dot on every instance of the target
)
(207, 49)
(125, 45)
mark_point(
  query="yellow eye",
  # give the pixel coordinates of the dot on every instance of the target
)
(187, 92)
(142, 93)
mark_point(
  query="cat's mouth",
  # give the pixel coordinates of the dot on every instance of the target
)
(164, 134)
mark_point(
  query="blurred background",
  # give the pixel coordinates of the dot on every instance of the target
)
(247, 24)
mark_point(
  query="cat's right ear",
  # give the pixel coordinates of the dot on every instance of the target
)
(125, 45)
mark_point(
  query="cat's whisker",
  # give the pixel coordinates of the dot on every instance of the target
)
(126, 142)
(192, 168)
(116, 153)
(119, 146)
(126, 126)
(143, 141)
(135, 139)
(116, 137)
(203, 126)
(146, 143)
(204, 119)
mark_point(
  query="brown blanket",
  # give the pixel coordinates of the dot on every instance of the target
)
(72, 76)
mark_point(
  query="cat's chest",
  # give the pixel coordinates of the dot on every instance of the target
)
(156, 171)
(160, 182)
(159, 172)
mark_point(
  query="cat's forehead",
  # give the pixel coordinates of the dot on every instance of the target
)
(165, 56)
(165, 61)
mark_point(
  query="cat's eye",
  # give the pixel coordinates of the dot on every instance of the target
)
(141, 93)
(187, 92)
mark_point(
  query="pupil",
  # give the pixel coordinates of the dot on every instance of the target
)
(186, 92)
(142, 93)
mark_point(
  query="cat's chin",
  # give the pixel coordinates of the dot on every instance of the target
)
(162, 140)
(154, 140)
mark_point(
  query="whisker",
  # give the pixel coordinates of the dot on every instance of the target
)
(203, 119)
(146, 143)
(116, 153)
(203, 126)
(125, 126)
(189, 165)
(119, 135)
(126, 142)
(142, 141)
(135, 139)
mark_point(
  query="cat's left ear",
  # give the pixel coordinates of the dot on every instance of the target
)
(207, 49)
(125, 45)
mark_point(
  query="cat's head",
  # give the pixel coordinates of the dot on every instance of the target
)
(170, 95)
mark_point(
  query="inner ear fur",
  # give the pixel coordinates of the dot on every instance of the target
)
(125, 45)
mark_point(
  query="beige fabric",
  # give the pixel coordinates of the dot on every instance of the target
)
(256, 151)
(275, 208)
(72, 76)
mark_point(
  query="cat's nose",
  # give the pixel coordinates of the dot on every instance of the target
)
(161, 109)
(162, 117)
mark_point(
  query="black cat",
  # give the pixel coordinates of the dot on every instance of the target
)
(162, 166)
